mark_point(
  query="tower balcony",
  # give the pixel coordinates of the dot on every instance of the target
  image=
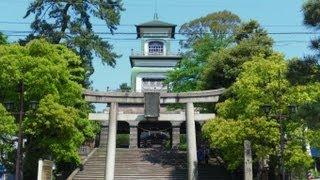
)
(154, 54)
(143, 59)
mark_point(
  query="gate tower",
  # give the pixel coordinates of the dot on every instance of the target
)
(155, 59)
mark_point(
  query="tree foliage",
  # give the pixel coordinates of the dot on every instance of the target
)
(260, 82)
(228, 136)
(218, 24)
(311, 12)
(50, 73)
(263, 80)
(70, 23)
(7, 131)
(223, 66)
(205, 35)
(3, 39)
(215, 61)
(304, 71)
(186, 75)
(124, 87)
(310, 112)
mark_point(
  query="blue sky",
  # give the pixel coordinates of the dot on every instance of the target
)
(274, 15)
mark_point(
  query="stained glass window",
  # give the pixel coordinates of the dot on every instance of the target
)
(156, 47)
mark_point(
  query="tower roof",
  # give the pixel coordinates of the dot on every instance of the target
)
(156, 24)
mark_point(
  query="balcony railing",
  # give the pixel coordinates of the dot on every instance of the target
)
(133, 53)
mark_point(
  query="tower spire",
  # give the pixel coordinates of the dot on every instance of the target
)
(156, 16)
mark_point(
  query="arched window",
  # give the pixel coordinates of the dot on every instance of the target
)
(156, 47)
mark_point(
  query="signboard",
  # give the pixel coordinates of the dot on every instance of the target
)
(151, 104)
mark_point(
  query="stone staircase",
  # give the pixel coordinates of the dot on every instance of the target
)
(155, 164)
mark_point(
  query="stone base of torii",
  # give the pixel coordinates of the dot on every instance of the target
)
(188, 98)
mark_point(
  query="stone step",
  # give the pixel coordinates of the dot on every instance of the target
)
(127, 157)
(149, 166)
(127, 169)
(146, 175)
(135, 164)
(135, 174)
(134, 178)
(149, 178)
(144, 171)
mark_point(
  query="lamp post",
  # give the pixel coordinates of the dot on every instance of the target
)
(10, 107)
(280, 117)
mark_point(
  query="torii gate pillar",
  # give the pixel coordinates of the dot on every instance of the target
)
(192, 144)
(111, 146)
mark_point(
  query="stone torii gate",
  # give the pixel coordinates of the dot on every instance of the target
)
(188, 98)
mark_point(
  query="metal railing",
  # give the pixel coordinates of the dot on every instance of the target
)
(134, 53)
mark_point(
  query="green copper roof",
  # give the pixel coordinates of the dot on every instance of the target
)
(156, 23)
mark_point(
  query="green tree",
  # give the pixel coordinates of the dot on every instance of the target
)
(307, 70)
(70, 23)
(311, 14)
(262, 81)
(228, 135)
(310, 112)
(218, 24)
(204, 35)
(3, 39)
(7, 128)
(7, 131)
(303, 71)
(216, 61)
(186, 75)
(223, 66)
(124, 87)
(59, 125)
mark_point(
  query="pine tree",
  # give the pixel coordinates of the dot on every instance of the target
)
(70, 22)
